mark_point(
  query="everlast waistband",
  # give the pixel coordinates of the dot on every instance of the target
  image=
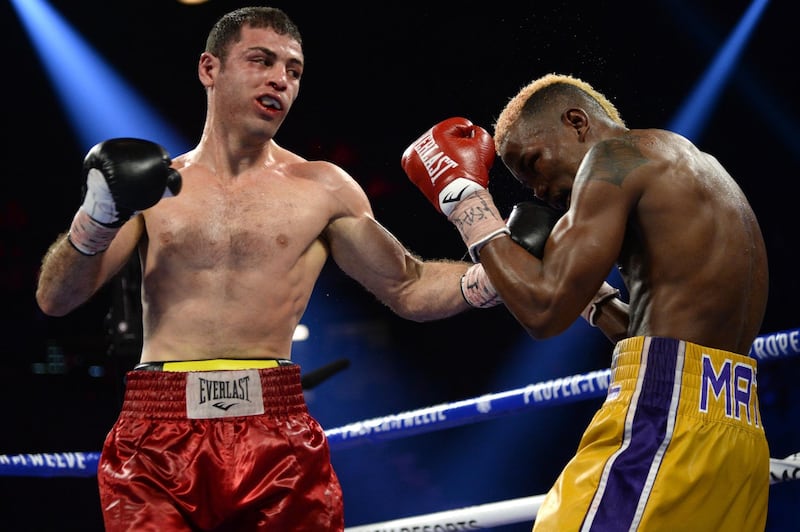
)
(273, 391)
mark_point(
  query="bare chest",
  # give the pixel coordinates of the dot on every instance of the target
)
(237, 226)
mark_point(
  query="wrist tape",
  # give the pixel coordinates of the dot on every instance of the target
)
(478, 221)
(88, 236)
(605, 294)
(477, 289)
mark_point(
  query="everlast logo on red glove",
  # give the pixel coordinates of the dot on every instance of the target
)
(432, 157)
(449, 162)
(450, 165)
(438, 164)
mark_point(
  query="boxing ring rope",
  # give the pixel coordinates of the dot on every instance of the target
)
(564, 390)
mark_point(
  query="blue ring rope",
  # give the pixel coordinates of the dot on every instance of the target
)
(554, 392)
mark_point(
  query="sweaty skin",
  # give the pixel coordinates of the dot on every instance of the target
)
(672, 219)
(229, 264)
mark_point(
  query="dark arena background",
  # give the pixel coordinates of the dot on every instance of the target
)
(377, 75)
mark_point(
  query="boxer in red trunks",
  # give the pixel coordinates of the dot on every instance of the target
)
(218, 450)
(229, 262)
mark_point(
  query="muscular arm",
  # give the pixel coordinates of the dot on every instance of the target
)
(67, 278)
(414, 289)
(546, 296)
(612, 319)
(124, 176)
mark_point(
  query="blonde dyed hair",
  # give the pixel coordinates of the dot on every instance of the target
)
(516, 105)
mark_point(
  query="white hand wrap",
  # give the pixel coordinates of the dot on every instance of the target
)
(98, 202)
(477, 289)
(90, 232)
(478, 221)
(605, 294)
(89, 236)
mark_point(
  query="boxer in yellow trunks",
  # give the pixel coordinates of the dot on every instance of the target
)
(678, 444)
(676, 415)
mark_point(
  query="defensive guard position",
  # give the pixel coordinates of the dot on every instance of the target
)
(679, 439)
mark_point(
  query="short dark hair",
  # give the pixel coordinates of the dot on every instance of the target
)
(227, 29)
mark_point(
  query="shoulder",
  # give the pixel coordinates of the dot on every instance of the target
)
(645, 144)
(323, 173)
(636, 152)
(341, 190)
(321, 170)
(299, 166)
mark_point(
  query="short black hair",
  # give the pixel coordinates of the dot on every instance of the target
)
(227, 29)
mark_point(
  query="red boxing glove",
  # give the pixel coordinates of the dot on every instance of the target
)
(450, 164)
(450, 161)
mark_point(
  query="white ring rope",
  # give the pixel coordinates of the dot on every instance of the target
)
(469, 518)
(521, 510)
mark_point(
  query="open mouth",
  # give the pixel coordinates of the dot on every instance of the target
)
(271, 103)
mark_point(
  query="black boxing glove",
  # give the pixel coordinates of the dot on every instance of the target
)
(530, 223)
(123, 177)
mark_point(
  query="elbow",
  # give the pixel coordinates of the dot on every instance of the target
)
(542, 311)
(543, 331)
(542, 325)
(49, 306)
(52, 310)
(416, 315)
(421, 311)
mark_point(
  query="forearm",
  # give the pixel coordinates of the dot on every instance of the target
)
(124, 177)
(67, 278)
(434, 293)
(608, 313)
(612, 319)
